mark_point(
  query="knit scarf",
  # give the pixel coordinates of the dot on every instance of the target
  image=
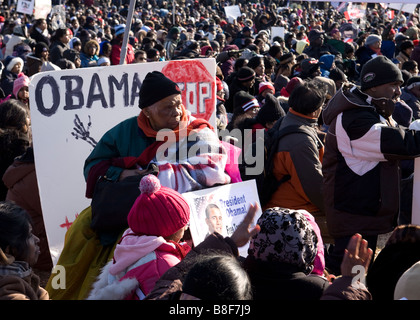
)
(187, 125)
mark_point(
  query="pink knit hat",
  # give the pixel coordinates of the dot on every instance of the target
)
(158, 211)
(21, 81)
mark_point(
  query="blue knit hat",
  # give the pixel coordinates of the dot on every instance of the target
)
(119, 29)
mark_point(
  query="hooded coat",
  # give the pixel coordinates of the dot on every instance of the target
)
(361, 164)
(139, 261)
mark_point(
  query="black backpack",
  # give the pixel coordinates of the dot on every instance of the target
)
(266, 183)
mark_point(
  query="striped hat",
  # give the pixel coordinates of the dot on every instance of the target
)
(245, 101)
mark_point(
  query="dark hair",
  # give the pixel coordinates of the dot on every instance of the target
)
(14, 228)
(406, 45)
(307, 97)
(152, 53)
(159, 47)
(239, 63)
(255, 62)
(139, 52)
(38, 22)
(269, 62)
(13, 113)
(58, 34)
(409, 65)
(274, 50)
(217, 276)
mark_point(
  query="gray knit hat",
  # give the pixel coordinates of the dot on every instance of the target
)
(379, 71)
(373, 38)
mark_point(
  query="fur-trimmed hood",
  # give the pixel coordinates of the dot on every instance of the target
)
(108, 287)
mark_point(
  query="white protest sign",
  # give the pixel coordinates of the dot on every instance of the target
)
(221, 209)
(277, 32)
(232, 12)
(42, 9)
(404, 7)
(25, 6)
(71, 110)
(375, 1)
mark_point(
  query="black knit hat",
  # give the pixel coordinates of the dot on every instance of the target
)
(155, 87)
(243, 101)
(245, 74)
(379, 71)
(270, 111)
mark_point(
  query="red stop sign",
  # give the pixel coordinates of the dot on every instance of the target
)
(197, 85)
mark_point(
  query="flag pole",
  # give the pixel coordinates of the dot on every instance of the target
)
(126, 31)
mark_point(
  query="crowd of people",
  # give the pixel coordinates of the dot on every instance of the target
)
(346, 179)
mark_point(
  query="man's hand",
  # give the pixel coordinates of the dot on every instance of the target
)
(242, 234)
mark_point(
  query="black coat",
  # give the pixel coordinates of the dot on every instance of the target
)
(278, 281)
(39, 37)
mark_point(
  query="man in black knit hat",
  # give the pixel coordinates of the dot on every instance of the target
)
(361, 162)
(243, 81)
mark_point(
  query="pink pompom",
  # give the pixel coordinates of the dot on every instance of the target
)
(149, 184)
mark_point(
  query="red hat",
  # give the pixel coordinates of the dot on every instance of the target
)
(219, 84)
(264, 86)
(158, 211)
(293, 83)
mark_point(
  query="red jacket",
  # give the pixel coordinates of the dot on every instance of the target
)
(116, 52)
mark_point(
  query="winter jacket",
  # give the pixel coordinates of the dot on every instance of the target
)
(171, 281)
(139, 261)
(317, 51)
(412, 101)
(363, 55)
(343, 289)
(415, 55)
(57, 51)
(281, 281)
(361, 165)
(18, 282)
(13, 144)
(7, 80)
(20, 179)
(116, 54)
(39, 37)
(88, 61)
(299, 156)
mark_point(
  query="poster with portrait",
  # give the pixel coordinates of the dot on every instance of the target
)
(70, 111)
(221, 209)
(25, 6)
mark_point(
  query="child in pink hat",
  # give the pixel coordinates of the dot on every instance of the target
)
(21, 88)
(149, 247)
